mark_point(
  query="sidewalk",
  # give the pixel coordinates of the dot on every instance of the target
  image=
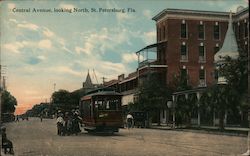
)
(230, 131)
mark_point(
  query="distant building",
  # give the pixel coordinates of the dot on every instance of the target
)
(128, 86)
(87, 85)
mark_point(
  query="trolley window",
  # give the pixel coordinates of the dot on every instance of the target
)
(107, 103)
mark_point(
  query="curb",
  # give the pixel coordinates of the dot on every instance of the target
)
(202, 131)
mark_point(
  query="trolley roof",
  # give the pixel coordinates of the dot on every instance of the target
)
(101, 93)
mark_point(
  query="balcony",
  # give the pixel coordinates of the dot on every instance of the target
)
(202, 83)
(152, 56)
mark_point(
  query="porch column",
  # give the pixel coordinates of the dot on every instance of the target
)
(173, 98)
(198, 105)
(214, 118)
(225, 118)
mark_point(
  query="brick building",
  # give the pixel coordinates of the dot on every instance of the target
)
(187, 41)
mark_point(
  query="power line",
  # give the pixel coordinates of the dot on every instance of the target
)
(95, 76)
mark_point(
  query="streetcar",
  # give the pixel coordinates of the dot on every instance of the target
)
(101, 111)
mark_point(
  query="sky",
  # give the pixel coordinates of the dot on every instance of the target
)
(40, 49)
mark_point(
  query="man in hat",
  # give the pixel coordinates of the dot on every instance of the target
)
(60, 123)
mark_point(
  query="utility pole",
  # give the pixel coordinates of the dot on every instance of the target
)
(0, 93)
(54, 87)
(103, 79)
(4, 83)
(0, 99)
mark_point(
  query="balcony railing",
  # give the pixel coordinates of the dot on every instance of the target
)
(152, 55)
(202, 83)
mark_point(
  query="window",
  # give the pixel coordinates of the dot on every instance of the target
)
(202, 74)
(107, 104)
(159, 34)
(245, 29)
(216, 48)
(184, 51)
(202, 81)
(184, 76)
(201, 31)
(201, 52)
(183, 29)
(163, 32)
(246, 46)
(86, 108)
(239, 30)
(216, 31)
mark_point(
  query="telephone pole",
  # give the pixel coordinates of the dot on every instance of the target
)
(103, 79)
(54, 87)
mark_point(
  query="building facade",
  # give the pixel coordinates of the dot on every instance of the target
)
(187, 41)
(191, 38)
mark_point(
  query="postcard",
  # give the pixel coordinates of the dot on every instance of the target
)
(124, 78)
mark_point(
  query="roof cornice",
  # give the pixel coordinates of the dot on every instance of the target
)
(190, 12)
(178, 13)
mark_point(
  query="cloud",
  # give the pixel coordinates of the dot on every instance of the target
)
(149, 37)
(123, 17)
(147, 14)
(28, 26)
(129, 57)
(88, 47)
(113, 67)
(66, 70)
(13, 47)
(48, 33)
(16, 47)
(41, 57)
(13, 20)
(45, 44)
(66, 6)
(105, 40)
(11, 5)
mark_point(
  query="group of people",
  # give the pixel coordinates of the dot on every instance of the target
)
(68, 123)
(23, 118)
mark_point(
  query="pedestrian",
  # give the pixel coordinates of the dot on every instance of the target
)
(41, 118)
(6, 143)
(129, 120)
(17, 118)
(75, 123)
(67, 124)
(60, 123)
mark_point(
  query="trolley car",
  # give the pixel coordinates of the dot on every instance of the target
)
(101, 111)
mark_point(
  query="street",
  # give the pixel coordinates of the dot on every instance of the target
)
(34, 138)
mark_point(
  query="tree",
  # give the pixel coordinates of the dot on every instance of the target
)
(153, 95)
(180, 82)
(61, 99)
(184, 107)
(236, 73)
(8, 102)
(234, 93)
